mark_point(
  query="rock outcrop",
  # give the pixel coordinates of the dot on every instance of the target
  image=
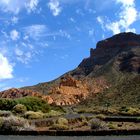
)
(18, 93)
(110, 48)
(69, 91)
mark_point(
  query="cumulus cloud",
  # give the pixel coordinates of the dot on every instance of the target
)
(14, 34)
(54, 6)
(6, 69)
(127, 17)
(15, 6)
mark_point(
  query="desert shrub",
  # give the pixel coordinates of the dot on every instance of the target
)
(133, 111)
(129, 111)
(59, 127)
(14, 123)
(1, 122)
(52, 113)
(112, 126)
(33, 115)
(58, 108)
(34, 104)
(60, 124)
(82, 118)
(84, 123)
(112, 111)
(7, 104)
(95, 124)
(124, 108)
(100, 116)
(4, 113)
(19, 108)
(62, 121)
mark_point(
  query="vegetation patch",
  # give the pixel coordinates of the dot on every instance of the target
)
(31, 103)
(14, 123)
(19, 109)
(33, 115)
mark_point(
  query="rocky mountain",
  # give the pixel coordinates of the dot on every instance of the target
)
(123, 46)
(110, 74)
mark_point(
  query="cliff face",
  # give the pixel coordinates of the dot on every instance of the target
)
(114, 61)
(125, 45)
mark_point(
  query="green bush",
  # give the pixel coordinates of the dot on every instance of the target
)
(33, 115)
(34, 104)
(7, 104)
(31, 103)
(19, 108)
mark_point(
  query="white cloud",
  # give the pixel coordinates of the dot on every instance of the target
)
(23, 57)
(15, 6)
(54, 6)
(18, 52)
(63, 33)
(35, 31)
(114, 27)
(31, 5)
(126, 2)
(14, 20)
(127, 17)
(101, 21)
(6, 69)
(14, 34)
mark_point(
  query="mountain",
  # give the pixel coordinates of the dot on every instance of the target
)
(110, 74)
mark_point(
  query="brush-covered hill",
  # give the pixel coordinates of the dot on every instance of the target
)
(110, 74)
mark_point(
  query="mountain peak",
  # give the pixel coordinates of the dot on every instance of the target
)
(120, 40)
(108, 49)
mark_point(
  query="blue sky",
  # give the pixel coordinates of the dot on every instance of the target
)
(42, 39)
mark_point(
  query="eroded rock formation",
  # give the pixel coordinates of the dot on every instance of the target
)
(70, 91)
(18, 93)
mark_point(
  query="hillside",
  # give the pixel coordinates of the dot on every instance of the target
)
(110, 74)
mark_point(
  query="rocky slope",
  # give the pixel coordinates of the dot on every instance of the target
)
(114, 62)
(18, 93)
(124, 46)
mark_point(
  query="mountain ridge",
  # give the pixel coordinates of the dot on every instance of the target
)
(110, 63)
